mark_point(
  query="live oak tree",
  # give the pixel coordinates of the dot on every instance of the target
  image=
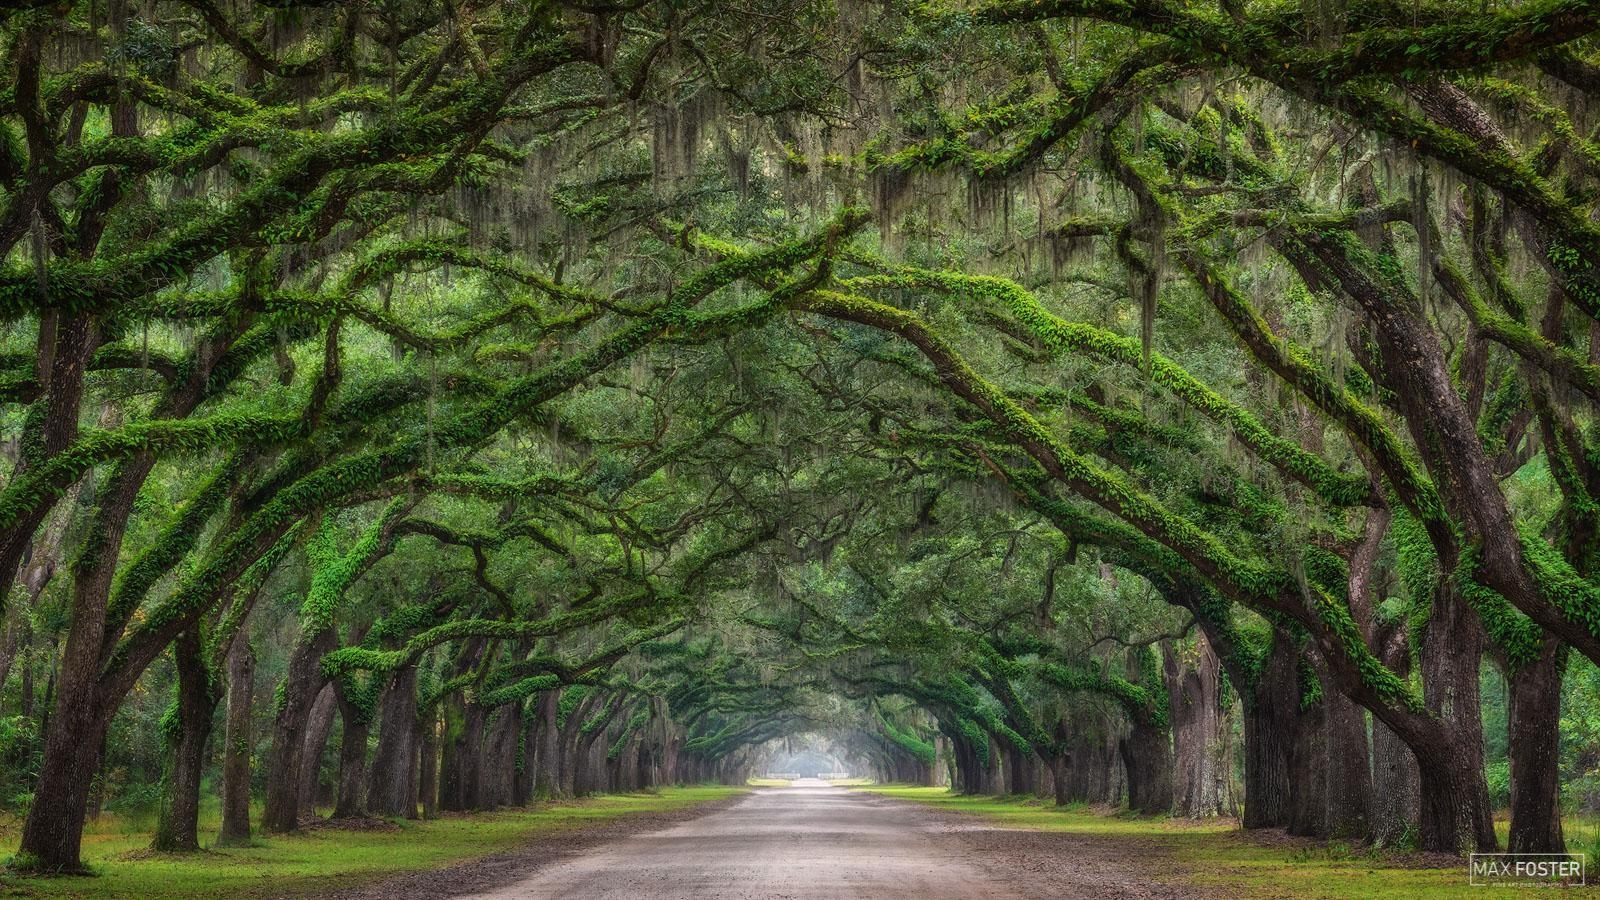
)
(570, 397)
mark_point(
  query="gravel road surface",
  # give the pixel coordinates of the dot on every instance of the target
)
(812, 841)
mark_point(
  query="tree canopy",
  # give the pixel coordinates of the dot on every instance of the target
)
(586, 395)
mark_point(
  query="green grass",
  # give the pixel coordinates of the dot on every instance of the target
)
(323, 860)
(767, 782)
(1216, 855)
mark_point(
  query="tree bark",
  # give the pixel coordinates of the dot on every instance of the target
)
(1347, 768)
(350, 800)
(236, 755)
(428, 763)
(1271, 710)
(547, 765)
(1533, 724)
(1308, 765)
(391, 790)
(303, 685)
(498, 769)
(1396, 783)
(458, 761)
(1456, 816)
(319, 726)
(178, 828)
(1194, 687)
(1147, 757)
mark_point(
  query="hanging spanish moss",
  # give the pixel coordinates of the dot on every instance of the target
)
(611, 398)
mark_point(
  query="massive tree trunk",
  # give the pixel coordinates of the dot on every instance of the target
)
(1194, 686)
(1347, 765)
(52, 841)
(462, 761)
(350, 801)
(1456, 816)
(1271, 714)
(547, 764)
(178, 828)
(1147, 756)
(969, 768)
(994, 778)
(236, 755)
(587, 779)
(571, 731)
(498, 769)
(319, 726)
(302, 687)
(528, 768)
(428, 762)
(392, 788)
(1089, 742)
(1533, 726)
(1396, 783)
(1308, 766)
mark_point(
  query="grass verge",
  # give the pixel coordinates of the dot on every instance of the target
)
(327, 859)
(1218, 857)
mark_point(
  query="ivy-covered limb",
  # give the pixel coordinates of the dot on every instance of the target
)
(908, 740)
(351, 658)
(474, 425)
(1061, 336)
(332, 572)
(47, 482)
(1144, 702)
(1247, 582)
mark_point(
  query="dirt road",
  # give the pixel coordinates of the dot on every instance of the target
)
(818, 842)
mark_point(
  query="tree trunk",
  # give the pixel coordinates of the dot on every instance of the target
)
(499, 758)
(1147, 757)
(1456, 816)
(319, 726)
(1308, 766)
(350, 800)
(236, 755)
(1533, 726)
(52, 836)
(571, 731)
(428, 763)
(528, 770)
(391, 789)
(1194, 687)
(1348, 768)
(1270, 713)
(178, 828)
(1396, 783)
(547, 766)
(303, 685)
(461, 780)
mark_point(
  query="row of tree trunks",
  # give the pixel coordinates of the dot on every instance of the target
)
(1088, 768)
